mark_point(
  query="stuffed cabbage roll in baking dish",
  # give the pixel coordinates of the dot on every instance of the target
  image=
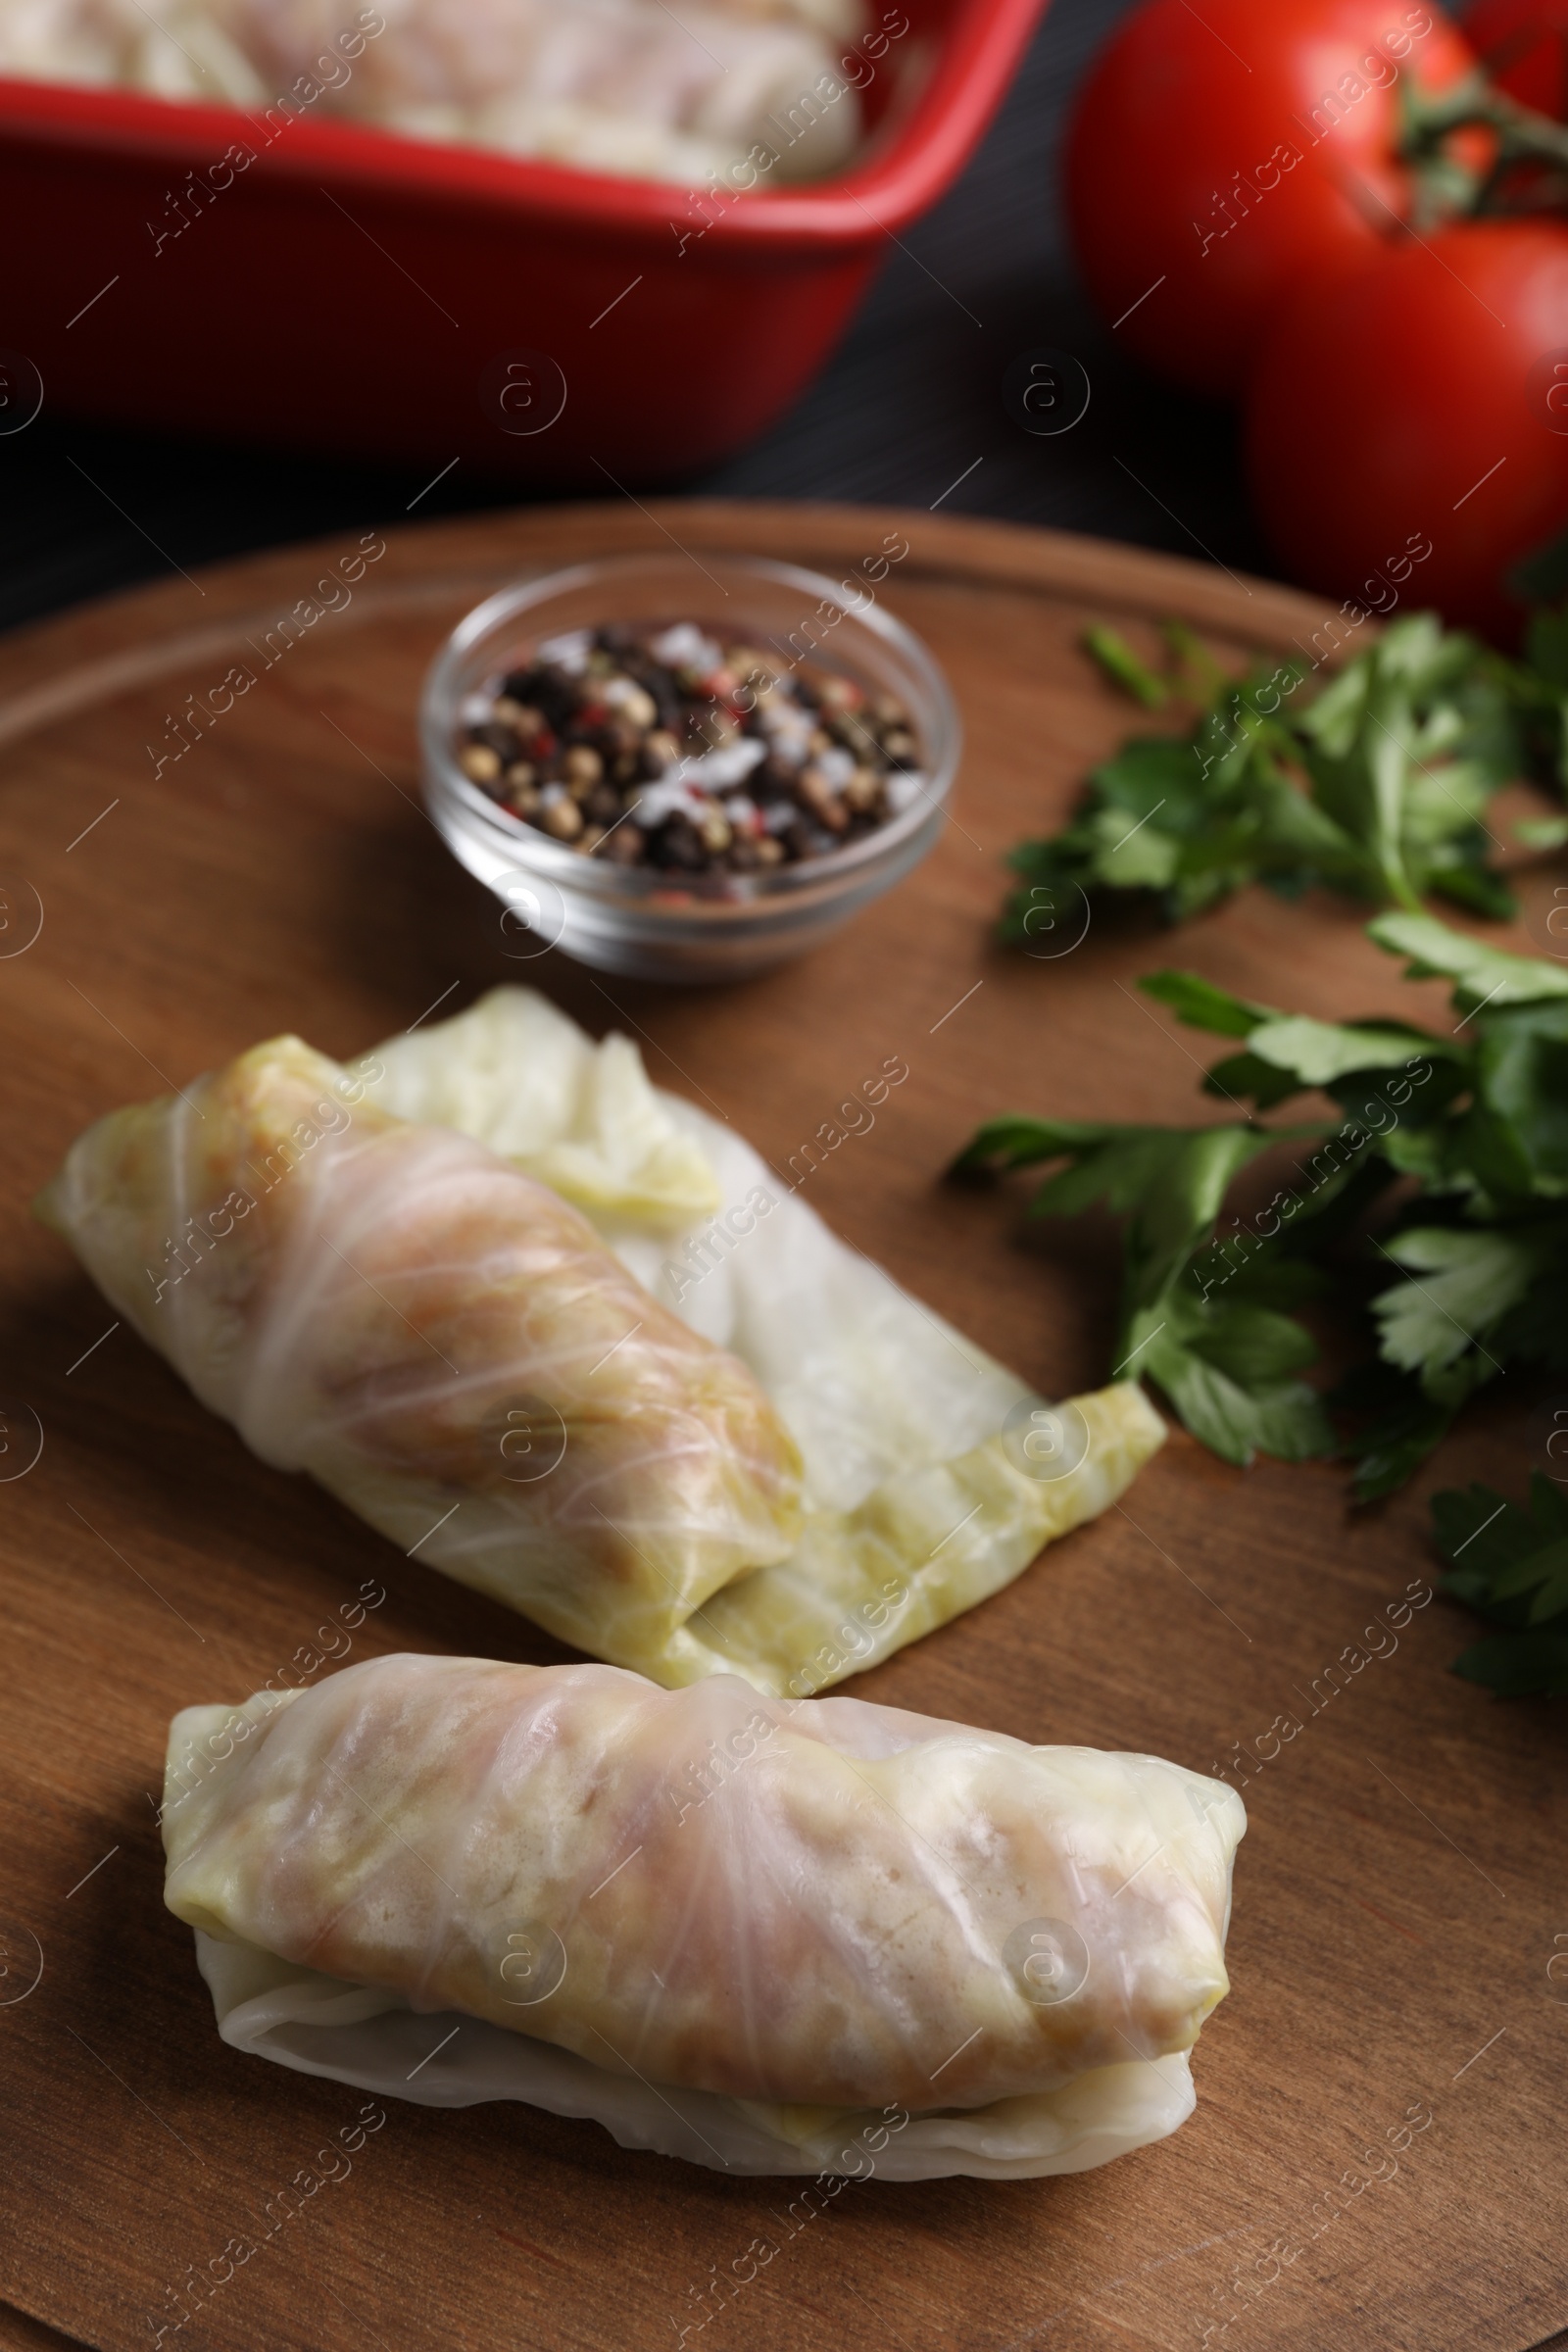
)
(476, 1289)
(767, 1936)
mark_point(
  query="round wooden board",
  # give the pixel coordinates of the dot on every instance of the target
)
(1399, 1890)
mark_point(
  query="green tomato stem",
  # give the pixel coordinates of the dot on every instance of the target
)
(1523, 136)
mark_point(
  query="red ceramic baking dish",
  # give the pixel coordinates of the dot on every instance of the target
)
(382, 298)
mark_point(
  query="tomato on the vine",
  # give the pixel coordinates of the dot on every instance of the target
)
(1524, 46)
(1221, 156)
(1420, 397)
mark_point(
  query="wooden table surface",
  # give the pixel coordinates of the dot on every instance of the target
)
(1400, 1887)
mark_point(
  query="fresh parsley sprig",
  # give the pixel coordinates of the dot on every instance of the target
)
(1376, 784)
(1447, 1170)
(1226, 1362)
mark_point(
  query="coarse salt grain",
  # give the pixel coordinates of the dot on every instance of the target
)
(477, 709)
(569, 652)
(903, 788)
(836, 766)
(670, 796)
(716, 770)
(685, 647)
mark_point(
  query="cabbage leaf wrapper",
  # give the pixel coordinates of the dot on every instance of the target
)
(391, 1307)
(770, 1935)
(570, 1340)
(919, 1499)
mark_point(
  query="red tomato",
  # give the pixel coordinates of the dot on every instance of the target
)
(1221, 154)
(1415, 400)
(1524, 46)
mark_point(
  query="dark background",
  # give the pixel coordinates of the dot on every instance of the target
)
(909, 401)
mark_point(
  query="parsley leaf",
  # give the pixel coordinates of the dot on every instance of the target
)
(1484, 974)
(1201, 1005)
(1225, 1363)
(1461, 1285)
(1508, 1562)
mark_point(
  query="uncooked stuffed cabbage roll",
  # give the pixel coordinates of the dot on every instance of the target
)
(475, 1290)
(750, 1932)
(421, 1326)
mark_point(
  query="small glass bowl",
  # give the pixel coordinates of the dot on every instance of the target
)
(644, 920)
